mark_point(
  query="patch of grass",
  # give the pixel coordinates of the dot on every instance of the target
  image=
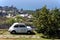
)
(5, 32)
(2, 31)
(26, 39)
(29, 39)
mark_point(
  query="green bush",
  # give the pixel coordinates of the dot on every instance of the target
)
(47, 21)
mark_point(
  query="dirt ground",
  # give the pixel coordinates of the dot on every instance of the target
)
(7, 39)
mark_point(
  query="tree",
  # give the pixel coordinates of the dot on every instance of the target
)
(40, 17)
(47, 21)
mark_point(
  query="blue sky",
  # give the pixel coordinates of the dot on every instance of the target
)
(31, 4)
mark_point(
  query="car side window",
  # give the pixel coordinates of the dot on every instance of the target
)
(16, 26)
(21, 25)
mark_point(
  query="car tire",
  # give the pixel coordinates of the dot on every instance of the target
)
(29, 32)
(13, 32)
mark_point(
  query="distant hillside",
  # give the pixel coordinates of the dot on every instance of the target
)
(6, 10)
(29, 11)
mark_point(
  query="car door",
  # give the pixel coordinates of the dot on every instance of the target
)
(17, 29)
(23, 28)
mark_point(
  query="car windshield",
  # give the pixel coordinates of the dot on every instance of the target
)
(16, 26)
(21, 25)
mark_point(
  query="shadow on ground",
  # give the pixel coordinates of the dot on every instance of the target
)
(24, 34)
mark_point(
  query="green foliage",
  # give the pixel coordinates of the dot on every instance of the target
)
(10, 21)
(47, 21)
(18, 19)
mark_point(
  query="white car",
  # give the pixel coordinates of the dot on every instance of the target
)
(20, 28)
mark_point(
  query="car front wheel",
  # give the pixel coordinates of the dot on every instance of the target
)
(12, 32)
(29, 32)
